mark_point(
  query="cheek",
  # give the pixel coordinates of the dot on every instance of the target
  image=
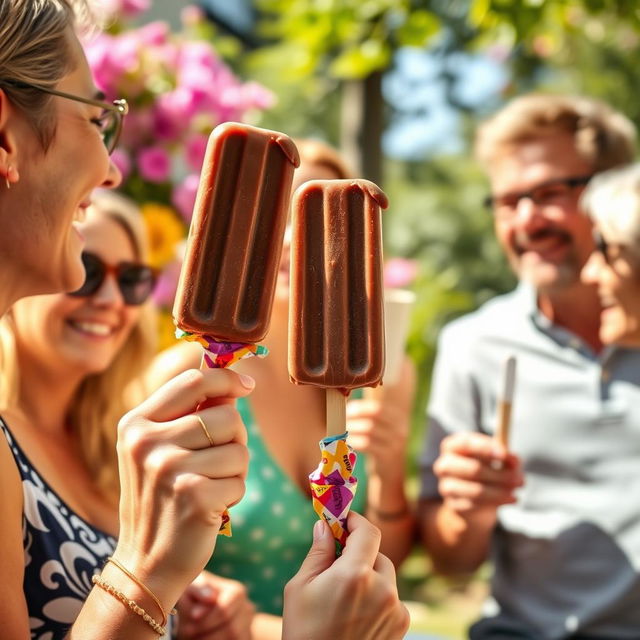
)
(504, 234)
(131, 318)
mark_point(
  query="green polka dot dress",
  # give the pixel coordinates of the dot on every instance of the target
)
(272, 525)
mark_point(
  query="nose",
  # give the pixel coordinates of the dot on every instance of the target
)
(526, 210)
(108, 294)
(114, 176)
(592, 269)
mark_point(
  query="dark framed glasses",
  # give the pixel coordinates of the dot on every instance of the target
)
(110, 120)
(550, 192)
(602, 246)
(135, 281)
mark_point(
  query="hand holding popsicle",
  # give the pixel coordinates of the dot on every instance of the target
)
(354, 596)
(176, 486)
(469, 481)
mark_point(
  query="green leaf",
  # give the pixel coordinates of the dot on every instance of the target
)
(419, 28)
(362, 60)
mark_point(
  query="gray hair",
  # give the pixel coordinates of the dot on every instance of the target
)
(612, 201)
(36, 50)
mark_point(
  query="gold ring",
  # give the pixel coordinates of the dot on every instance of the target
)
(206, 431)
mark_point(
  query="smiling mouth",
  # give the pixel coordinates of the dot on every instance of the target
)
(97, 329)
(541, 242)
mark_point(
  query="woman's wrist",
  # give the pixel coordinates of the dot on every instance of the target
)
(390, 515)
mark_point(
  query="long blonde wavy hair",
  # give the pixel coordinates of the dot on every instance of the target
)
(102, 398)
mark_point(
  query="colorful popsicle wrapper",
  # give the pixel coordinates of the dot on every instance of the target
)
(333, 485)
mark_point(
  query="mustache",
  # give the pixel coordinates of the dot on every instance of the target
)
(523, 239)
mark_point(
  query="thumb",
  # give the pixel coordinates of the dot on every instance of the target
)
(321, 555)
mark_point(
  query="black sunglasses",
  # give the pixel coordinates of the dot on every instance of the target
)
(110, 120)
(135, 281)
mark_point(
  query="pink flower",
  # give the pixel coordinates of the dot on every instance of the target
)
(122, 160)
(400, 272)
(154, 164)
(153, 34)
(184, 196)
(194, 151)
(256, 96)
(133, 7)
(165, 289)
(112, 59)
(173, 111)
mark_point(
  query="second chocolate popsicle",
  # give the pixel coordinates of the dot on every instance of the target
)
(336, 318)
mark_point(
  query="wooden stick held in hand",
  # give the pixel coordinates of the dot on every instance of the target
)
(505, 401)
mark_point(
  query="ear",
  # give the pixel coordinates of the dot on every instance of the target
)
(8, 146)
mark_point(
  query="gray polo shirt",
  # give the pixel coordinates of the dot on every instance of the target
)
(567, 555)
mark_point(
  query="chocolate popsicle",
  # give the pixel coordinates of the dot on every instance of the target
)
(336, 318)
(228, 277)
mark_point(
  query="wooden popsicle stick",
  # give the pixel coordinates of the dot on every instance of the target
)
(336, 412)
(505, 402)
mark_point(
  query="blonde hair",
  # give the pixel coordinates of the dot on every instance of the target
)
(612, 201)
(317, 152)
(35, 48)
(102, 398)
(603, 137)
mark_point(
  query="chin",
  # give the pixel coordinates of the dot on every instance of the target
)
(547, 276)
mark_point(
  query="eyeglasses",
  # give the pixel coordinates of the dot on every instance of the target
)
(602, 246)
(548, 193)
(110, 120)
(135, 281)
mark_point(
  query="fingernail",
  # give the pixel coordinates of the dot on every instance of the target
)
(247, 381)
(318, 530)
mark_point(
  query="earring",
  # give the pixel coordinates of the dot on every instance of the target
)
(6, 177)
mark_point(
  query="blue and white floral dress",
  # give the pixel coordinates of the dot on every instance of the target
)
(62, 552)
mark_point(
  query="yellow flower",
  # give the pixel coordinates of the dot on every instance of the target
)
(166, 331)
(164, 231)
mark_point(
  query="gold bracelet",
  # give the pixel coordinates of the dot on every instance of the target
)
(143, 587)
(134, 606)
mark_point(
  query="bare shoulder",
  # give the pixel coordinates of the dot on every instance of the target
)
(172, 361)
(13, 608)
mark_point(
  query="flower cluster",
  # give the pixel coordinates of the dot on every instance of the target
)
(178, 90)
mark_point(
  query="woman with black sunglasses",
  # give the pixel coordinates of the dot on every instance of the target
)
(179, 468)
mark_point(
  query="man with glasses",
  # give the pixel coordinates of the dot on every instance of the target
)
(550, 511)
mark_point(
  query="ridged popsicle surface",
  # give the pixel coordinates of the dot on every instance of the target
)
(336, 313)
(228, 277)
